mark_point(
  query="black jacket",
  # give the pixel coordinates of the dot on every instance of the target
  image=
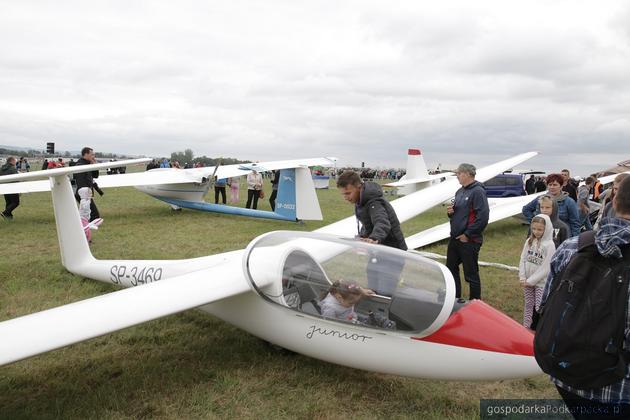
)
(378, 217)
(85, 179)
(471, 212)
(8, 169)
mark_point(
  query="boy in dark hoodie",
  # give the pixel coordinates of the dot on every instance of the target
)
(12, 200)
(549, 206)
(378, 225)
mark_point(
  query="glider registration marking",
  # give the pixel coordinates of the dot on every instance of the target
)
(137, 275)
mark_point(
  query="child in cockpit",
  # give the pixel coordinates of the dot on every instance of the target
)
(340, 300)
(339, 304)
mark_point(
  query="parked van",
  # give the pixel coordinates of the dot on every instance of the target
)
(505, 185)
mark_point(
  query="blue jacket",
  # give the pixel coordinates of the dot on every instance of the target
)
(567, 211)
(471, 212)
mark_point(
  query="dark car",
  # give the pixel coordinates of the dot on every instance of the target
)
(505, 185)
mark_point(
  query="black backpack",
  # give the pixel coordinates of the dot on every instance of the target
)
(580, 334)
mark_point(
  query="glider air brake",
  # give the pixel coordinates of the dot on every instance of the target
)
(186, 188)
(273, 290)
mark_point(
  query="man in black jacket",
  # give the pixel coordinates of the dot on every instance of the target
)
(378, 225)
(12, 200)
(86, 179)
(468, 215)
(569, 185)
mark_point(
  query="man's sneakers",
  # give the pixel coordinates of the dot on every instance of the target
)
(5, 216)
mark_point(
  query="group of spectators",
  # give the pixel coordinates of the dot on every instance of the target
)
(166, 163)
(556, 220)
(372, 174)
(254, 184)
(59, 163)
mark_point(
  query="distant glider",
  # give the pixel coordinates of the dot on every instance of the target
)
(186, 188)
(417, 177)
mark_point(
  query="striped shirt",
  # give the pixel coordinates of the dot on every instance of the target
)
(613, 234)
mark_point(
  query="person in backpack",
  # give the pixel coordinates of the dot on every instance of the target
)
(533, 268)
(468, 216)
(548, 206)
(612, 241)
(378, 225)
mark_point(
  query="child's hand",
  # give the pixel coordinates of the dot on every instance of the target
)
(367, 292)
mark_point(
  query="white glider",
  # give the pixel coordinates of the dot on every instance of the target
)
(187, 188)
(272, 289)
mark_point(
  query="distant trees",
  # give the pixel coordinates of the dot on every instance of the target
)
(101, 155)
(11, 152)
(187, 156)
(182, 157)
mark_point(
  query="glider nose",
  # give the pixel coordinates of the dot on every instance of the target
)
(478, 325)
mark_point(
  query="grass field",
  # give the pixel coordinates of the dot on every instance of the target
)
(192, 365)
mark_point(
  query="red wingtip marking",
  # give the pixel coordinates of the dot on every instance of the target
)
(480, 326)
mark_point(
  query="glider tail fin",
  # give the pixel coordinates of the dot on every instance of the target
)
(75, 251)
(297, 198)
(416, 167)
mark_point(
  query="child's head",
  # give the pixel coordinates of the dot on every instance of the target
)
(85, 193)
(545, 203)
(538, 227)
(346, 293)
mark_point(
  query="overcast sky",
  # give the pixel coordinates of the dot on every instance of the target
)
(360, 80)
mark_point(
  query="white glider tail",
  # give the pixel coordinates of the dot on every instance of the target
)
(417, 176)
(170, 286)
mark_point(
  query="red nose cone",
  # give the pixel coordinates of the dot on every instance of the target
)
(480, 326)
(414, 152)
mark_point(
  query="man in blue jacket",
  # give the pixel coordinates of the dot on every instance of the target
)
(469, 217)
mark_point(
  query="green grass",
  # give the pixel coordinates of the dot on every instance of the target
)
(192, 365)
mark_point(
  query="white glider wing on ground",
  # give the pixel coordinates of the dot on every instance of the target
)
(500, 208)
(272, 290)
